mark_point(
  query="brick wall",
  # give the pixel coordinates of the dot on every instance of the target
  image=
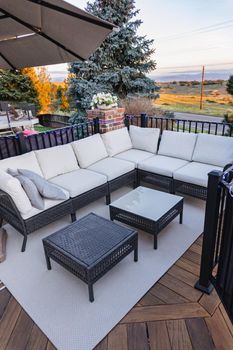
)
(110, 119)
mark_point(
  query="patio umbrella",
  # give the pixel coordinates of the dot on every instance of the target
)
(37, 32)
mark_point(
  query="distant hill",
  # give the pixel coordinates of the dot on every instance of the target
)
(190, 76)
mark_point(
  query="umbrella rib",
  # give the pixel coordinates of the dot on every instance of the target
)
(7, 61)
(95, 21)
(37, 31)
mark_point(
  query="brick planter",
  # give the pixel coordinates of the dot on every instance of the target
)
(109, 120)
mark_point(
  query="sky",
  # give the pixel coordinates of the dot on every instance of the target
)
(187, 34)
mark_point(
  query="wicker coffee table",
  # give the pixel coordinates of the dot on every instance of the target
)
(147, 209)
(90, 247)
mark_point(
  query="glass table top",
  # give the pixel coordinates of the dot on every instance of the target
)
(146, 202)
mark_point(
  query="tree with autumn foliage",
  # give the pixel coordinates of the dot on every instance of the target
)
(41, 81)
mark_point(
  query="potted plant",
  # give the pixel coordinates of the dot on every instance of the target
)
(104, 101)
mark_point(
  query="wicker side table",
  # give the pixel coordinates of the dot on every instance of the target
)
(147, 209)
(90, 247)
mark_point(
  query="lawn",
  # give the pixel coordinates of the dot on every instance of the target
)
(41, 128)
(216, 101)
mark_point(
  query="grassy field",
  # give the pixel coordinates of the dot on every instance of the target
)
(178, 98)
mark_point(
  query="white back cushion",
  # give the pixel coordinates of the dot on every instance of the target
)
(57, 160)
(25, 161)
(212, 149)
(145, 139)
(12, 186)
(89, 150)
(177, 144)
(117, 141)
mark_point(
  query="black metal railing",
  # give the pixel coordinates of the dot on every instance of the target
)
(217, 251)
(14, 145)
(181, 125)
(11, 146)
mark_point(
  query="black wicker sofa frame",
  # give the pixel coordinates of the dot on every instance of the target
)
(171, 185)
(10, 213)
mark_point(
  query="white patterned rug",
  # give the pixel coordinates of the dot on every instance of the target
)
(58, 301)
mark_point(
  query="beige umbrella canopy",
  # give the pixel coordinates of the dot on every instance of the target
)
(36, 33)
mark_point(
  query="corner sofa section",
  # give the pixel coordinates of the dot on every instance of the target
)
(95, 166)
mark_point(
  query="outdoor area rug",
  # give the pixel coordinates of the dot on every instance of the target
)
(58, 302)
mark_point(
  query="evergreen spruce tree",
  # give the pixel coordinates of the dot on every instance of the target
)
(17, 87)
(230, 85)
(121, 63)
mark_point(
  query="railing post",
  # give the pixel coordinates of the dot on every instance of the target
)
(127, 121)
(22, 142)
(144, 120)
(96, 125)
(210, 232)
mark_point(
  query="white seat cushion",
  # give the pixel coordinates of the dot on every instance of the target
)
(112, 167)
(48, 203)
(211, 149)
(57, 160)
(134, 155)
(145, 139)
(177, 144)
(89, 150)
(79, 181)
(195, 173)
(25, 161)
(162, 165)
(12, 186)
(117, 141)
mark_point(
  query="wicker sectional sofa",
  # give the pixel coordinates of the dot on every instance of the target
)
(95, 166)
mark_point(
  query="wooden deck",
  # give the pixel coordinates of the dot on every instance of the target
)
(171, 316)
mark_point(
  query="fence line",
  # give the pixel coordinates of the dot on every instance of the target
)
(11, 146)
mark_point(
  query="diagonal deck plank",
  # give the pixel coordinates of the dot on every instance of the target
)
(188, 265)
(183, 275)
(37, 340)
(219, 331)
(180, 287)
(21, 332)
(4, 300)
(210, 302)
(8, 322)
(165, 312)
(167, 295)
